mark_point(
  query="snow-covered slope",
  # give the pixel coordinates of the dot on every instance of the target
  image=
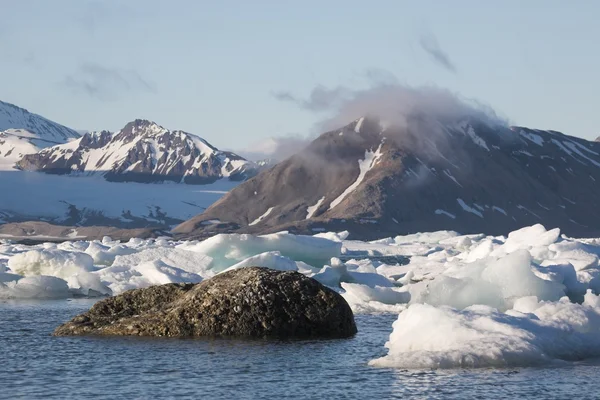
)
(44, 132)
(22, 132)
(14, 144)
(141, 152)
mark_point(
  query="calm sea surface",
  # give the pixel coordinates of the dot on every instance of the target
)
(34, 364)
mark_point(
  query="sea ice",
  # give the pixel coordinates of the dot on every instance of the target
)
(35, 287)
(229, 249)
(52, 262)
(532, 333)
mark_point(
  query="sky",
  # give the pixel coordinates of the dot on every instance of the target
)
(231, 71)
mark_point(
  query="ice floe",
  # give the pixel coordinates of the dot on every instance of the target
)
(462, 300)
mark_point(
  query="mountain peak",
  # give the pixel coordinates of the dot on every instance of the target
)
(142, 151)
(467, 175)
(44, 131)
(22, 132)
(143, 126)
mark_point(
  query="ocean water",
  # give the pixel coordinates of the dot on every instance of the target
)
(33, 364)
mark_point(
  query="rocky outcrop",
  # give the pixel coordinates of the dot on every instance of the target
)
(249, 302)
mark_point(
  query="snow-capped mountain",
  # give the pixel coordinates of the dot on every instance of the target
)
(465, 175)
(22, 132)
(142, 151)
(45, 131)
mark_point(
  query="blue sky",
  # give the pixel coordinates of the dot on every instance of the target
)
(212, 68)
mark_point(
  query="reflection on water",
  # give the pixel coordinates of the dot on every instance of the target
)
(35, 364)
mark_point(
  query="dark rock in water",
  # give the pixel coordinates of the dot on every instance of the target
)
(253, 302)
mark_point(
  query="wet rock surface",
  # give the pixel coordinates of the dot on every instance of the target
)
(247, 302)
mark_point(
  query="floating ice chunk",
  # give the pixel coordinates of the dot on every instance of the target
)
(496, 283)
(371, 279)
(365, 265)
(105, 255)
(339, 272)
(59, 263)
(516, 278)
(366, 299)
(563, 274)
(335, 236)
(229, 249)
(270, 259)
(79, 246)
(88, 284)
(186, 260)
(428, 337)
(581, 255)
(332, 275)
(386, 295)
(121, 278)
(35, 287)
(529, 237)
(482, 250)
(426, 237)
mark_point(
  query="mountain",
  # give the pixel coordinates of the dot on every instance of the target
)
(22, 132)
(71, 198)
(467, 175)
(141, 152)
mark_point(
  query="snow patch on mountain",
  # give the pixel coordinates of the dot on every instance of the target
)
(359, 125)
(265, 215)
(310, 211)
(364, 165)
(14, 144)
(468, 208)
(446, 213)
(532, 137)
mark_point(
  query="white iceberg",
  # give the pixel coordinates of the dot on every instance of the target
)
(532, 333)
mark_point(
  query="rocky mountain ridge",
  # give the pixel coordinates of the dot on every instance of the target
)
(465, 175)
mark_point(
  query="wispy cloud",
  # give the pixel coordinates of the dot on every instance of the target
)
(431, 46)
(408, 114)
(276, 148)
(320, 98)
(105, 83)
(388, 100)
